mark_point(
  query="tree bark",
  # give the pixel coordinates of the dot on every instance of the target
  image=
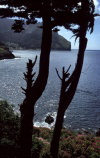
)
(41, 80)
(27, 107)
(66, 96)
(56, 134)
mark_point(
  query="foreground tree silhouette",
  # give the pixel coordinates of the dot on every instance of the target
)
(54, 13)
(69, 82)
(29, 10)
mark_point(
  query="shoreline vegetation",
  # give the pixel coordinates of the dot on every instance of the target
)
(72, 144)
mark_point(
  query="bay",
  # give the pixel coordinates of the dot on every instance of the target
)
(83, 112)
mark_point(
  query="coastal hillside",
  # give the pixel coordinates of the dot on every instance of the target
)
(73, 144)
(30, 38)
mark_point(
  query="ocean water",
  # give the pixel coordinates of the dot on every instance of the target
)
(83, 112)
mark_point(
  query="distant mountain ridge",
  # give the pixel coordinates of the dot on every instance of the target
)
(30, 38)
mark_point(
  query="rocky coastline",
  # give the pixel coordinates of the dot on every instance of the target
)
(5, 53)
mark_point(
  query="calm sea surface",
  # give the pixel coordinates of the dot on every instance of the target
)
(83, 112)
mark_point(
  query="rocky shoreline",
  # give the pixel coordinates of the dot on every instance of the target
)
(5, 53)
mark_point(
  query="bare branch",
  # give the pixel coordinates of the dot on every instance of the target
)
(33, 74)
(25, 75)
(63, 70)
(58, 74)
(96, 15)
(23, 89)
(68, 69)
(35, 61)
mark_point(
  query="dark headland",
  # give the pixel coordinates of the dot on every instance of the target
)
(5, 53)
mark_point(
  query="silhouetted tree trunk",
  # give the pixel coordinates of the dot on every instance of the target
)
(68, 89)
(36, 90)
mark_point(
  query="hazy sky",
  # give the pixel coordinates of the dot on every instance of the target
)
(93, 39)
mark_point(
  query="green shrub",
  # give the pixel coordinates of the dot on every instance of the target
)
(9, 131)
(66, 133)
(45, 153)
(9, 122)
(45, 133)
(37, 146)
(64, 154)
(95, 155)
(67, 145)
(72, 145)
(8, 149)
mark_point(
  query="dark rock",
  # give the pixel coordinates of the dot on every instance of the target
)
(49, 119)
(98, 133)
(5, 53)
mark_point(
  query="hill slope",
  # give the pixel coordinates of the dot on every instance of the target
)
(30, 38)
